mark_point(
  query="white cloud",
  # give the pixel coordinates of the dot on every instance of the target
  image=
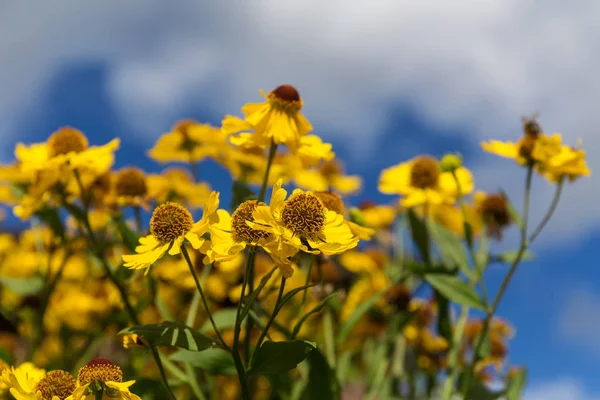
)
(579, 321)
(472, 65)
(561, 389)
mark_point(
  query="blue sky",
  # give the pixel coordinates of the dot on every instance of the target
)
(383, 81)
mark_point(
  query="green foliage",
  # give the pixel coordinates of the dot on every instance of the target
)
(273, 358)
(174, 334)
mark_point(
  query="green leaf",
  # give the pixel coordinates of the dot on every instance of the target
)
(357, 314)
(455, 289)
(224, 319)
(514, 214)
(241, 192)
(420, 236)
(174, 334)
(514, 391)
(149, 389)
(451, 248)
(482, 255)
(130, 238)
(322, 381)
(273, 358)
(444, 325)
(23, 286)
(214, 361)
(52, 218)
(508, 257)
(478, 391)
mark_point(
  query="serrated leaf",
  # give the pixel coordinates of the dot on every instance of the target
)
(215, 361)
(357, 314)
(224, 319)
(455, 289)
(322, 380)
(516, 385)
(23, 286)
(420, 235)
(174, 334)
(451, 248)
(273, 358)
(129, 237)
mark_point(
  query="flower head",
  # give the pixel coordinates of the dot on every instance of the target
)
(172, 224)
(101, 376)
(421, 181)
(56, 384)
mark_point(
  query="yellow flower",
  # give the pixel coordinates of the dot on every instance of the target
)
(171, 224)
(333, 202)
(248, 164)
(451, 218)
(22, 381)
(66, 147)
(421, 182)
(329, 176)
(102, 376)
(189, 141)
(277, 120)
(303, 221)
(175, 184)
(231, 235)
(555, 161)
(129, 188)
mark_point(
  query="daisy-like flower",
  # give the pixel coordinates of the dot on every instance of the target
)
(328, 176)
(333, 202)
(189, 141)
(129, 188)
(66, 147)
(172, 224)
(102, 376)
(27, 382)
(556, 161)
(277, 120)
(231, 235)
(421, 182)
(303, 221)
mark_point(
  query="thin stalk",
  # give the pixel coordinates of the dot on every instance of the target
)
(122, 292)
(137, 212)
(274, 313)
(503, 286)
(186, 255)
(550, 212)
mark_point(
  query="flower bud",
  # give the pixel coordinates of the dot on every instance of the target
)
(451, 162)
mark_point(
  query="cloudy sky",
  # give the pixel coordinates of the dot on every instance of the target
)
(381, 80)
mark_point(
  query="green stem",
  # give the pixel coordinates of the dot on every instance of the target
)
(490, 314)
(273, 314)
(122, 292)
(329, 337)
(186, 255)
(271, 157)
(550, 212)
(137, 212)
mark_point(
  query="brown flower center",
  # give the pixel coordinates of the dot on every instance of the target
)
(56, 383)
(531, 128)
(100, 369)
(331, 168)
(399, 296)
(303, 214)
(240, 229)
(331, 201)
(424, 172)
(170, 221)
(130, 181)
(494, 209)
(66, 140)
(286, 97)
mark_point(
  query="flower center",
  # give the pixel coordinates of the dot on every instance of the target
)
(303, 214)
(100, 369)
(331, 168)
(131, 181)
(66, 140)
(494, 210)
(286, 97)
(170, 221)
(367, 205)
(331, 201)
(399, 296)
(56, 383)
(240, 230)
(183, 127)
(424, 172)
(531, 128)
